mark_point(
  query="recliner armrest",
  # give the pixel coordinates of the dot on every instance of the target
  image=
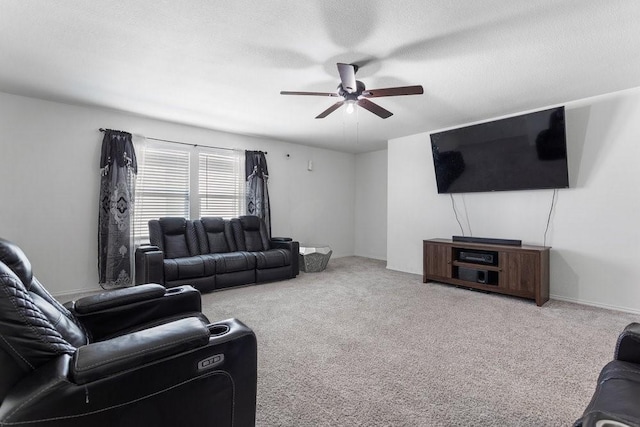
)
(149, 260)
(628, 345)
(118, 297)
(98, 360)
(291, 245)
(103, 317)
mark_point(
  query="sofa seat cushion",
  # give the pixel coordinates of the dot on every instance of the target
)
(272, 258)
(231, 262)
(189, 267)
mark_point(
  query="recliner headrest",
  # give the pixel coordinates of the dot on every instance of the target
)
(25, 329)
(213, 224)
(173, 225)
(13, 257)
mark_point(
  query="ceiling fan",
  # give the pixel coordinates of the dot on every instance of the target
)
(353, 92)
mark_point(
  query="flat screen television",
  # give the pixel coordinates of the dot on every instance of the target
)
(524, 152)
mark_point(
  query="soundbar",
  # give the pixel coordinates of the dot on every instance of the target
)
(487, 241)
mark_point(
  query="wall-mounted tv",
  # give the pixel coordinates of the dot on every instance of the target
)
(524, 152)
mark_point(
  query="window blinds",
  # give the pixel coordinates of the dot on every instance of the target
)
(221, 183)
(214, 185)
(162, 188)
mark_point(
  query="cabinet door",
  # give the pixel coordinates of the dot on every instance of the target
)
(521, 272)
(437, 261)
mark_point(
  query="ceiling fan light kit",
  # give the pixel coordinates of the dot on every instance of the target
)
(354, 92)
(350, 107)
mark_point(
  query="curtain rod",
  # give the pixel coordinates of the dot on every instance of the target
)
(179, 142)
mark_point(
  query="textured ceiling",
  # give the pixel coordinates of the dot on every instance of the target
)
(221, 65)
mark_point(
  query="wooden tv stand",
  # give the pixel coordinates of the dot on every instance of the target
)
(521, 271)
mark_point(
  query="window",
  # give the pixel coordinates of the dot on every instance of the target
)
(221, 184)
(189, 182)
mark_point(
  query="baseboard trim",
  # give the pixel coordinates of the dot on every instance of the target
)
(595, 304)
(402, 270)
(379, 258)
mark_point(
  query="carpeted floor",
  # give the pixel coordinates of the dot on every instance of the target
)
(359, 345)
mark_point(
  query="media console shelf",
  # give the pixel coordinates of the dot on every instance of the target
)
(521, 271)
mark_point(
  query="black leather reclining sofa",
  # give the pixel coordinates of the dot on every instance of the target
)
(213, 253)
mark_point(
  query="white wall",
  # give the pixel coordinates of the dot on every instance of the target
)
(49, 179)
(594, 230)
(371, 205)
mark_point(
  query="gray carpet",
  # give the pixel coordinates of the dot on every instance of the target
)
(359, 345)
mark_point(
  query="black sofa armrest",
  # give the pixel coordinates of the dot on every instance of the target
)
(99, 360)
(149, 260)
(293, 246)
(118, 297)
(628, 345)
(104, 316)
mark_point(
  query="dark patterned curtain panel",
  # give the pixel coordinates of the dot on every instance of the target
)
(257, 192)
(118, 169)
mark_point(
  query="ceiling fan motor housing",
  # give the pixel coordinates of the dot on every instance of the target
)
(351, 96)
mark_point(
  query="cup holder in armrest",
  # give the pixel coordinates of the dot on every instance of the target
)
(176, 290)
(218, 329)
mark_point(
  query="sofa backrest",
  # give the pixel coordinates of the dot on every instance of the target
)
(214, 235)
(175, 236)
(178, 237)
(250, 233)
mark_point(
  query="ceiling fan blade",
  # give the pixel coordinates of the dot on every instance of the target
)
(348, 77)
(287, 92)
(393, 91)
(330, 110)
(374, 108)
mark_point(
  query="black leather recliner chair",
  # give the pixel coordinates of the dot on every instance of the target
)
(615, 402)
(142, 356)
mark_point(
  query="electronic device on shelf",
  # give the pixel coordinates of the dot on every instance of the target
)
(483, 257)
(476, 256)
(524, 152)
(473, 275)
